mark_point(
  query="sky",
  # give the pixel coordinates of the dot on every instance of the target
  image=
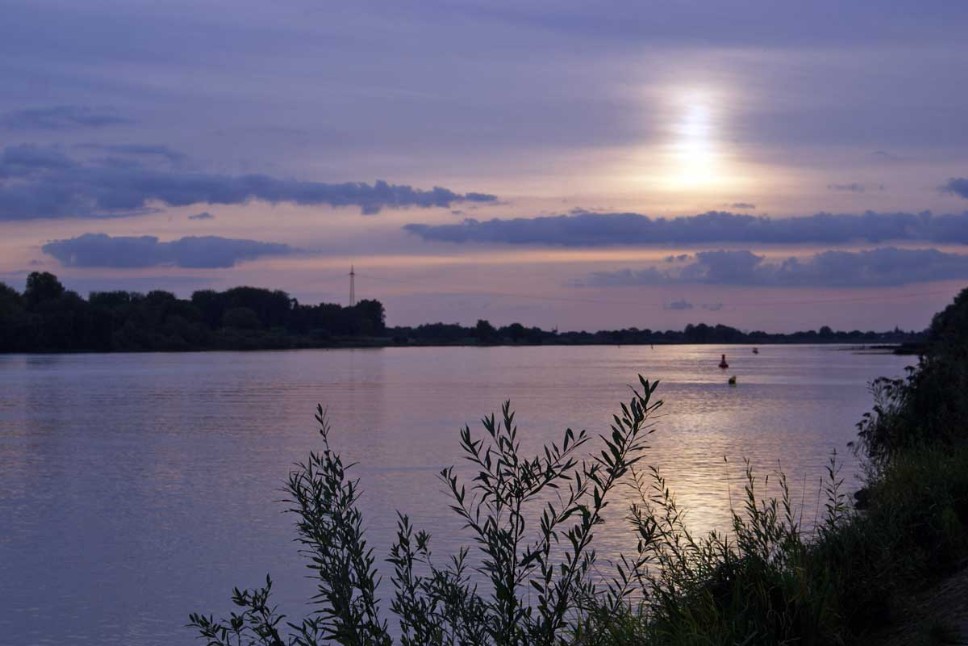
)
(767, 165)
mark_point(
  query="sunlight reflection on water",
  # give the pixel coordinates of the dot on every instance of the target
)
(135, 489)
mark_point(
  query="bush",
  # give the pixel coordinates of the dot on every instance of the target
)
(752, 586)
(930, 406)
(533, 519)
(531, 545)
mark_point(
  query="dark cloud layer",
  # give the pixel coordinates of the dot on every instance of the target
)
(61, 117)
(37, 182)
(210, 252)
(140, 150)
(763, 23)
(958, 186)
(881, 267)
(681, 304)
(602, 229)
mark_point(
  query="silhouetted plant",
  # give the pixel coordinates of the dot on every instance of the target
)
(537, 577)
(528, 577)
(330, 528)
(755, 584)
(930, 405)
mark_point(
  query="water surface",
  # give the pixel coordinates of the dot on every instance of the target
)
(137, 488)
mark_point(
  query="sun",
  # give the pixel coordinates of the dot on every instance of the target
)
(694, 152)
(690, 156)
(694, 148)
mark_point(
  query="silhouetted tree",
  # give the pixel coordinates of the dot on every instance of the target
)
(14, 323)
(484, 332)
(515, 332)
(42, 286)
(211, 305)
(241, 318)
(271, 307)
(49, 318)
(371, 319)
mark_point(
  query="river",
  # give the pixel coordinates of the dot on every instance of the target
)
(136, 488)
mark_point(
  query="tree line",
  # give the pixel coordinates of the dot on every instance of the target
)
(484, 333)
(47, 317)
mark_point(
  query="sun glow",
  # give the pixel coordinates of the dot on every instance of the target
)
(695, 157)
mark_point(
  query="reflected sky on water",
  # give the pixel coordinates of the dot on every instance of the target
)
(137, 488)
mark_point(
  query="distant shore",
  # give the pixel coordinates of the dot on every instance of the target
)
(48, 318)
(378, 343)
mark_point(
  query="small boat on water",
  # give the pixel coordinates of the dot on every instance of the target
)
(722, 363)
(732, 380)
(756, 350)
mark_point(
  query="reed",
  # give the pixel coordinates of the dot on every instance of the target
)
(534, 551)
(532, 521)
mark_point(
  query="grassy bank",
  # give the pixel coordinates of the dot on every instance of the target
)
(849, 582)
(852, 579)
(532, 520)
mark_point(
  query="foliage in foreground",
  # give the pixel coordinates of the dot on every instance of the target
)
(538, 579)
(855, 575)
(768, 581)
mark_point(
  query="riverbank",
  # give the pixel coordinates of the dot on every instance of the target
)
(261, 344)
(46, 317)
(850, 578)
(936, 615)
(858, 581)
(889, 571)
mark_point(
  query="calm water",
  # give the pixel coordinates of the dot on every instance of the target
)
(135, 489)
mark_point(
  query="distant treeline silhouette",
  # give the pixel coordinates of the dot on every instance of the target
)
(46, 317)
(516, 334)
(49, 318)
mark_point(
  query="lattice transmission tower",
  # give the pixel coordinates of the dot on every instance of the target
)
(352, 286)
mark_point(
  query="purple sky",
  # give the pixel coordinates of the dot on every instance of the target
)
(761, 164)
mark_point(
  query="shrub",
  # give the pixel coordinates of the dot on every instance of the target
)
(532, 521)
(930, 406)
(751, 586)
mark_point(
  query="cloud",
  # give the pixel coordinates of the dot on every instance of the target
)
(208, 252)
(958, 186)
(61, 117)
(204, 215)
(480, 197)
(38, 182)
(682, 257)
(855, 187)
(606, 229)
(140, 150)
(881, 267)
(756, 22)
(681, 304)
(886, 156)
(27, 161)
(742, 205)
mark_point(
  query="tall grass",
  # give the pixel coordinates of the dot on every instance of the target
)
(532, 521)
(535, 552)
(768, 580)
